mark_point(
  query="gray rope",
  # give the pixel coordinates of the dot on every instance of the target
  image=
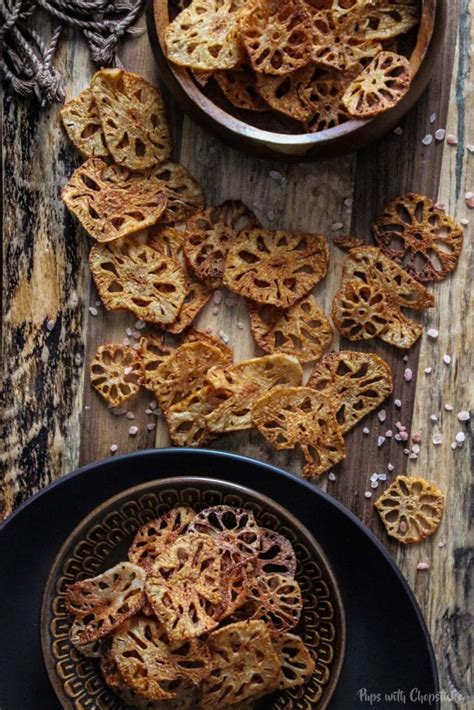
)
(27, 62)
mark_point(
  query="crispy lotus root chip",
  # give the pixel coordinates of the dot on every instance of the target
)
(275, 554)
(359, 381)
(401, 331)
(204, 36)
(184, 587)
(152, 352)
(137, 278)
(302, 330)
(92, 649)
(275, 268)
(423, 239)
(81, 120)
(277, 35)
(244, 665)
(244, 384)
(235, 531)
(386, 19)
(361, 311)
(154, 537)
(184, 194)
(324, 100)
(153, 667)
(111, 202)
(283, 93)
(411, 509)
(369, 265)
(116, 373)
(185, 370)
(209, 235)
(238, 86)
(297, 664)
(193, 335)
(133, 118)
(277, 599)
(297, 416)
(106, 601)
(186, 420)
(379, 87)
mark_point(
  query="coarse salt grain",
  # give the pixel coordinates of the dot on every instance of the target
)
(368, 494)
(390, 466)
(437, 439)
(451, 139)
(434, 418)
(275, 175)
(454, 445)
(113, 448)
(93, 311)
(389, 434)
(440, 205)
(398, 131)
(404, 435)
(398, 403)
(348, 202)
(153, 404)
(382, 415)
(366, 430)
(151, 426)
(464, 416)
(215, 310)
(133, 430)
(442, 543)
(217, 298)
(416, 437)
(468, 195)
(148, 412)
(125, 342)
(382, 476)
(470, 147)
(139, 325)
(415, 449)
(427, 370)
(127, 370)
(229, 302)
(408, 375)
(405, 358)
(331, 476)
(209, 329)
(427, 140)
(130, 415)
(337, 226)
(118, 411)
(413, 456)
(406, 451)
(374, 484)
(129, 332)
(460, 437)
(464, 222)
(223, 336)
(402, 527)
(432, 118)
(380, 441)
(50, 325)
(136, 334)
(448, 407)
(447, 359)
(432, 333)
(374, 477)
(422, 566)
(397, 437)
(240, 325)
(470, 201)
(440, 134)
(271, 215)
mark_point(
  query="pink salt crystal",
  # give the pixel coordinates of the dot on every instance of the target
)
(451, 139)
(422, 566)
(416, 437)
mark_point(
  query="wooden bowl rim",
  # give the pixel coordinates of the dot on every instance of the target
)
(301, 140)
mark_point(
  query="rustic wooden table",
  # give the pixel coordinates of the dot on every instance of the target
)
(54, 422)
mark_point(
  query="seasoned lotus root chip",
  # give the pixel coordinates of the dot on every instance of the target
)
(92, 649)
(184, 194)
(387, 19)
(184, 587)
(276, 35)
(186, 419)
(277, 599)
(278, 267)
(283, 93)
(81, 120)
(369, 265)
(346, 242)
(298, 416)
(152, 353)
(244, 664)
(297, 664)
(106, 601)
(401, 331)
(194, 335)
(359, 381)
(302, 330)
(111, 202)
(423, 239)
(244, 384)
(275, 554)
(167, 240)
(154, 537)
(151, 665)
(324, 100)
(361, 311)
(133, 118)
(235, 531)
(379, 87)
(204, 36)
(116, 373)
(209, 235)
(137, 278)
(185, 370)
(238, 86)
(411, 509)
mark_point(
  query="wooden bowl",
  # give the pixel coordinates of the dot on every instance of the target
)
(102, 539)
(267, 136)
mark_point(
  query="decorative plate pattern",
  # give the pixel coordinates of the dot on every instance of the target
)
(102, 540)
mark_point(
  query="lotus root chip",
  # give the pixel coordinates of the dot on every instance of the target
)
(386, 19)
(209, 235)
(359, 381)
(347, 242)
(154, 537)
(298, 416)
(111, 202)
(186, 419)
(185, 370)
(276, 268)
(411, 509)
(244, 384)
(302, 330)
(152, 352)
(361, 311)
(193, 335)
(235, 531)
(183, 192)
(184, 587)
(116, 373)
(379, 87)
(137, 278)
(323, 98)
(133, 118)
(167, 240)
(204, 36)
(296, 661)
(418, 236)
(277, 35)
(284, 93)
(244, 664)
(401, 331)
(106, 601)
(275, 554)
(239, 87)
(81, 121)
(91, 649)
(151, 665)
(278, 600)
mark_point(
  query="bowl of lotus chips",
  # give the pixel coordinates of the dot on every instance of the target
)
(296, 78)
(191, 592)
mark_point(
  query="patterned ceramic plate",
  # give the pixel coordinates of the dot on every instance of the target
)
(102, 539)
